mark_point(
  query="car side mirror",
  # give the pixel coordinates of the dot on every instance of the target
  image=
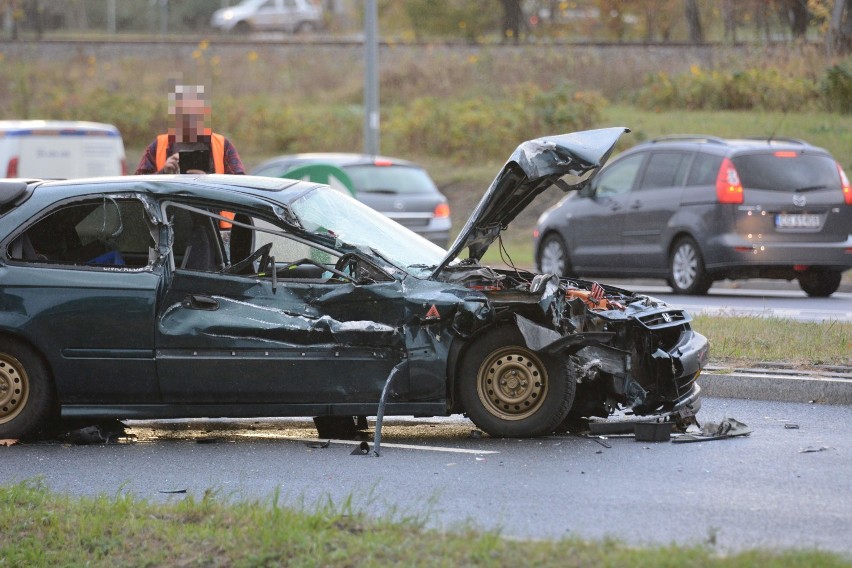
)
(588, 190)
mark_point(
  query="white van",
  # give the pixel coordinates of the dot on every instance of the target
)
(60, 149)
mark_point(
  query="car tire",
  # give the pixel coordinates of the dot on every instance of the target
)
(242, 28)
(820, 283)
(553, 256)
(27, 396)
(507, 390)
(687, 274)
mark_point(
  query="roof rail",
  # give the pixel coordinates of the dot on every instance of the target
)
(690, 138)
(778, 139)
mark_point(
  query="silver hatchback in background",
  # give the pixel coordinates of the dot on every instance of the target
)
(291, 16)
(399, 189)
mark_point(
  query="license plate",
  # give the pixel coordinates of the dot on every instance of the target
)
(788, 221)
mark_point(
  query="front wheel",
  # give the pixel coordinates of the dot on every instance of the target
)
(820, 283)
(687, 274)
(508, 390)
(26, 391)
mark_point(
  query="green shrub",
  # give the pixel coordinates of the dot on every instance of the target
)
(470, 129)
(836, 87)
(768, 88)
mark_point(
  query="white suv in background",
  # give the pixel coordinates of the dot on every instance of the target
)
(292, 16)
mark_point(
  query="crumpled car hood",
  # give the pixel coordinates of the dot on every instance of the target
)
(532, 168)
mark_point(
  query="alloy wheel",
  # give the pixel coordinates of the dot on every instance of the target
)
(685, 266)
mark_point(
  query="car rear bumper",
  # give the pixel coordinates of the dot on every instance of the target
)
(735, 251)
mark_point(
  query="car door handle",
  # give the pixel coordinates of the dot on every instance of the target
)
(198, 302)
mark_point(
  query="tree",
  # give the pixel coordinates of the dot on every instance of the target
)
(660, 17)
(693, 21)
(839, 37)
(512, 20)
(798, 16)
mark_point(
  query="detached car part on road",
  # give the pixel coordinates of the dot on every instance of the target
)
(239, 296)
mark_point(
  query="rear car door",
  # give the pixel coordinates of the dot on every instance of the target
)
(650, 206)
(228, 333)
(83, 278)
(269, 15)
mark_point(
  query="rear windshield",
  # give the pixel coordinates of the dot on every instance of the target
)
(798, 173)
(390, 179)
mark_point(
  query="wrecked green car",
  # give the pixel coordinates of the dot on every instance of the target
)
(146, 297)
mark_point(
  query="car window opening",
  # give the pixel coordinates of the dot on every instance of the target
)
(107, 232)
(245, 246)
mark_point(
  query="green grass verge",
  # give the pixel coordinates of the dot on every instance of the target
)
(41, 528)
(749, 340)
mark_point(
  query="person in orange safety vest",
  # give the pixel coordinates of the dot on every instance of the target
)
(192, 138)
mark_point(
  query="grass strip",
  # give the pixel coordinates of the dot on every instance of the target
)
(749, 340)
(41, 528)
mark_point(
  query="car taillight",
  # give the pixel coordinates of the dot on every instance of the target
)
(847, 187)
(12, 168)
(442, 210)
(729, 189)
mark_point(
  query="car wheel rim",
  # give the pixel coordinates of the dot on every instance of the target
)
(684, 266)
(553, 259)
(512, 383)
(14, 388)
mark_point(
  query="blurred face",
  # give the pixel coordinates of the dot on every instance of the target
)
(190, 110)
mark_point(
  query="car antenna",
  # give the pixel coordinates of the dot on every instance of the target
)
(777, 126)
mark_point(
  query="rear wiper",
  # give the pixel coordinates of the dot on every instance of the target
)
(378, 190)
(809, 188)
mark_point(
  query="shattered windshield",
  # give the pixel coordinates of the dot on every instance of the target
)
(325, 211)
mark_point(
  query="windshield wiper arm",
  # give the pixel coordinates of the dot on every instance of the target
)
(378, 190)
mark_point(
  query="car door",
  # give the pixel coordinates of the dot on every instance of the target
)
(86, 276)
(649, 207)
(239, 336)
(595, 219)
(269, 15)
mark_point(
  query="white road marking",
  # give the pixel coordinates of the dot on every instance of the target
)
(401, 446)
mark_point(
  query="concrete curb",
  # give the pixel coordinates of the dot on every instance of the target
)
(784, 385)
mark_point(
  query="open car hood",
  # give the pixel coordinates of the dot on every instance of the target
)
(532, 168)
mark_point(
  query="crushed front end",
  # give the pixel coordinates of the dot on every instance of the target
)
(629, 353)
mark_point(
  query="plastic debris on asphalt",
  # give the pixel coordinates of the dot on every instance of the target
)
(727, 428)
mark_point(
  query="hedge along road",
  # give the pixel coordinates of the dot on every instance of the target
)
(782, 486)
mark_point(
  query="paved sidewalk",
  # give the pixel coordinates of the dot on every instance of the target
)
(826, 385)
